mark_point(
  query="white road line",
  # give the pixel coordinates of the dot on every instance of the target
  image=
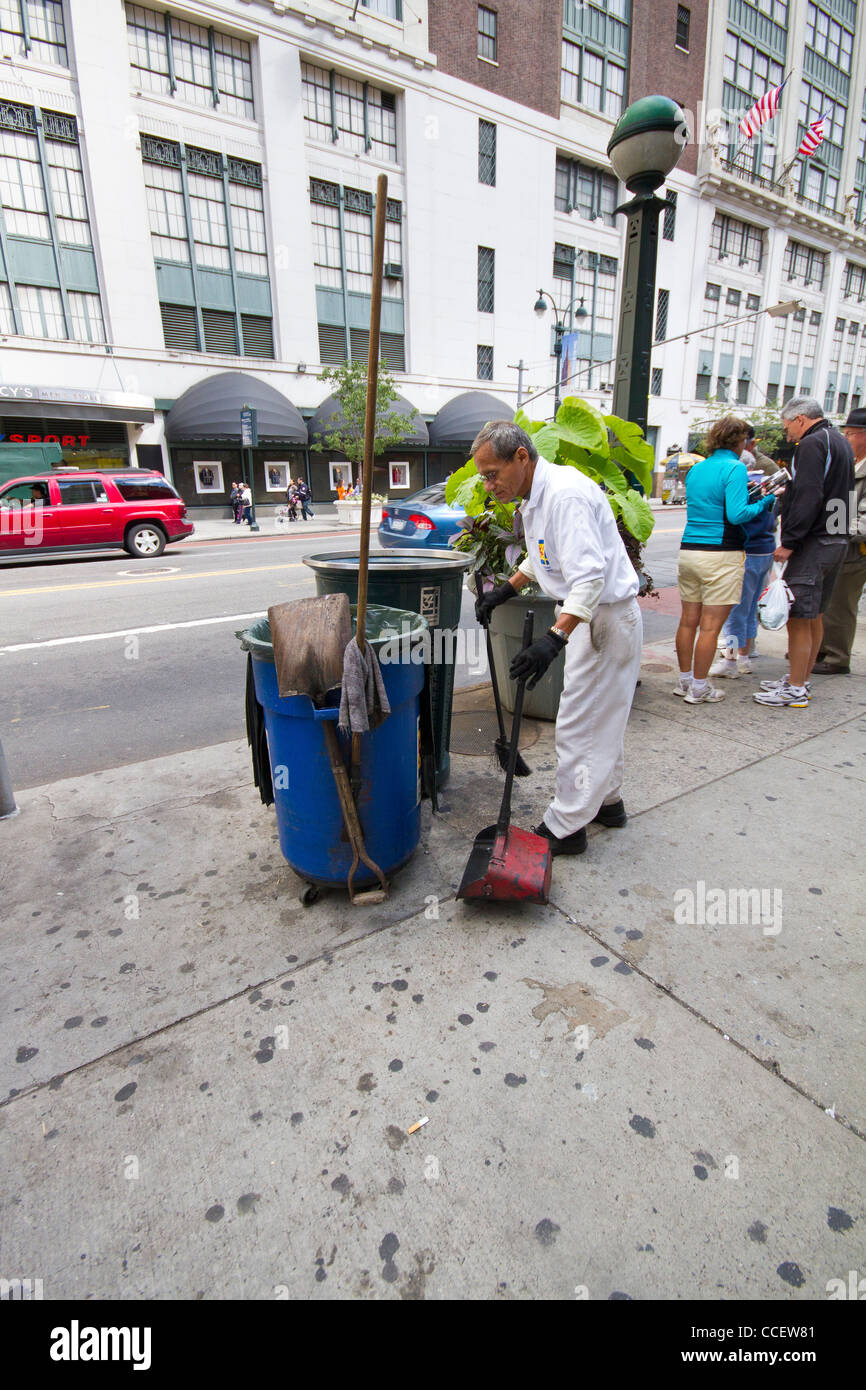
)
(129, 632)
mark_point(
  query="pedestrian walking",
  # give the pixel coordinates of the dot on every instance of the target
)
(840, 619)
(247, 504)
(712, 557)
(304, 497)
(574, 554)
(292, 501)
(813, 544)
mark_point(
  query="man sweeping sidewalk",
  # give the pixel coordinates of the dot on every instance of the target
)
(574, 554)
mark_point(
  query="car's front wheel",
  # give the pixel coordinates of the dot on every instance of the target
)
(144, 541)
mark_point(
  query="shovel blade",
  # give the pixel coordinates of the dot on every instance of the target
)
(510, 867)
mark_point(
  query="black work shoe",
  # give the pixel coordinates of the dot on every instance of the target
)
(568, 844)
(826, 668)
(613, 816)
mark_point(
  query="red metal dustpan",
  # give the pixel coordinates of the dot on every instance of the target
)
(508, 864)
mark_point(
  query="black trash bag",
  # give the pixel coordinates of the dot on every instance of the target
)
(257, 738)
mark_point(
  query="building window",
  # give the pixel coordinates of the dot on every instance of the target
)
(814, 104)
(487, 152)
(486, 279)
(656, 381)
(829, 38)
(736, 241)
(803, 265)
(669, 226)
(684, 17)
(202, 66)
(589, 192)
(743, 391)
(36, 30)
(748, 72)
(702, 386)
(484, 360)
(343, 258)
(44, 204)
(223, 237)
(392, 9)
(592, 79)
(855, 282)
(662, 302)
(487, 34)
(713, 292)
(358, 117)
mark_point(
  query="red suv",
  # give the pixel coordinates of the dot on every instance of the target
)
(74, 510)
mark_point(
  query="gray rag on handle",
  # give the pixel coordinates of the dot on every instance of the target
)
(363, 701)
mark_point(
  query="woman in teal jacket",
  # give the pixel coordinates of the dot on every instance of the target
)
(712, 556)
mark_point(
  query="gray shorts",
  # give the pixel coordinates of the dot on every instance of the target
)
(811, 574)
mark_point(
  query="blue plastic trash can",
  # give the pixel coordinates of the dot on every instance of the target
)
(313, 838)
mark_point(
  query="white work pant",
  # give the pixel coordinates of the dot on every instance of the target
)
(602, 662)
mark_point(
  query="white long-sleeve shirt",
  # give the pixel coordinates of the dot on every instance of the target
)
(573, 549)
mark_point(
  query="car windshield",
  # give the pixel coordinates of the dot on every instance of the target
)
(142, 489)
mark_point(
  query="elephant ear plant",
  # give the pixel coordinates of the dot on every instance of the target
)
(611, 451)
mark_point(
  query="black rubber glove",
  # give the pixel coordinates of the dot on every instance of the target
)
(531, 663)
(485, 604)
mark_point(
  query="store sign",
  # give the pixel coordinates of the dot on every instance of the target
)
(70, 396)
(249, 428)
(66, 441)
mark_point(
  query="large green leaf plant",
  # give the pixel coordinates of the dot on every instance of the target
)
(610, 451)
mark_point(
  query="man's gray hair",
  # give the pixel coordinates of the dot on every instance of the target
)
(505, 439)
(803, 405)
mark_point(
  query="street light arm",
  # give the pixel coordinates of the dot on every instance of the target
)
(774, 310)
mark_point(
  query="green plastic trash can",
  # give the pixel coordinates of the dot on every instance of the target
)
(429, 583)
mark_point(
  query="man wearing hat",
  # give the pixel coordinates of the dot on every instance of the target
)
(840, 620)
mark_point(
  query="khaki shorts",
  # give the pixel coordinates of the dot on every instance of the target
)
(711, 576)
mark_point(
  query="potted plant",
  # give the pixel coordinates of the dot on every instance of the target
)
(349, 510)
(611, 451)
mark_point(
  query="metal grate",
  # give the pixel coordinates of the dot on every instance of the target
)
(204, 161)
(656, 381)
(487, 153)
(332, 343)
(684, 16)
(179, 328)
(15, 117)
(356, 200)
(662, 302)
(322, 192)
(670, 221)
(219, 331)
(59, 126)
(484, 362)
(154, 151)
(242, 171)
(486, 279)
(258, 336)
(392, 351)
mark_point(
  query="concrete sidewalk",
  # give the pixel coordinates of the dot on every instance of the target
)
(209, 1086)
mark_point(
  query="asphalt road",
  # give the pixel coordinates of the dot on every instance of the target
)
(155, 668)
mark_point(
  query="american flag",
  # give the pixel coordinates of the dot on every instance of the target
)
(813, 137)
(763, 111)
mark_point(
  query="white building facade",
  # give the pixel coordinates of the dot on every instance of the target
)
(188, 190)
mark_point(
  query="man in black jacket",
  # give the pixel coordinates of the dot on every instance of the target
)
(813, 543)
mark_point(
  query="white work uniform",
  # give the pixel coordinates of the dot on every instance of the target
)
(575, 554)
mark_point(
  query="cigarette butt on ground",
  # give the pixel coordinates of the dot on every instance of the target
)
(423, 1121)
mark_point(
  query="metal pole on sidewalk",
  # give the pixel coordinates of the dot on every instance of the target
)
(8, 807)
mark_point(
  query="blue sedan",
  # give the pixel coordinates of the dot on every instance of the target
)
(423, 521)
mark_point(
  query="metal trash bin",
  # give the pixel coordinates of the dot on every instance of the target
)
(429, 583)
(313, 839)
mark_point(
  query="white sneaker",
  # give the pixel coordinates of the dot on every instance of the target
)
(786, 680)
(681, 690)
(724, 666)
(785, 695)
(710, 696)
(744, 666)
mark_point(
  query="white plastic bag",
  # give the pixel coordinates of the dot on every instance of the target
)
(775, 602)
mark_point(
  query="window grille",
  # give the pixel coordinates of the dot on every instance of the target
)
(487, 153)
(486, 279)
(484, 356)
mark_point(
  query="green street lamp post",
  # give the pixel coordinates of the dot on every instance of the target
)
(558, 331)
(646, 144)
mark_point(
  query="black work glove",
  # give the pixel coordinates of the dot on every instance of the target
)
(534, 660)
(485, 603)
